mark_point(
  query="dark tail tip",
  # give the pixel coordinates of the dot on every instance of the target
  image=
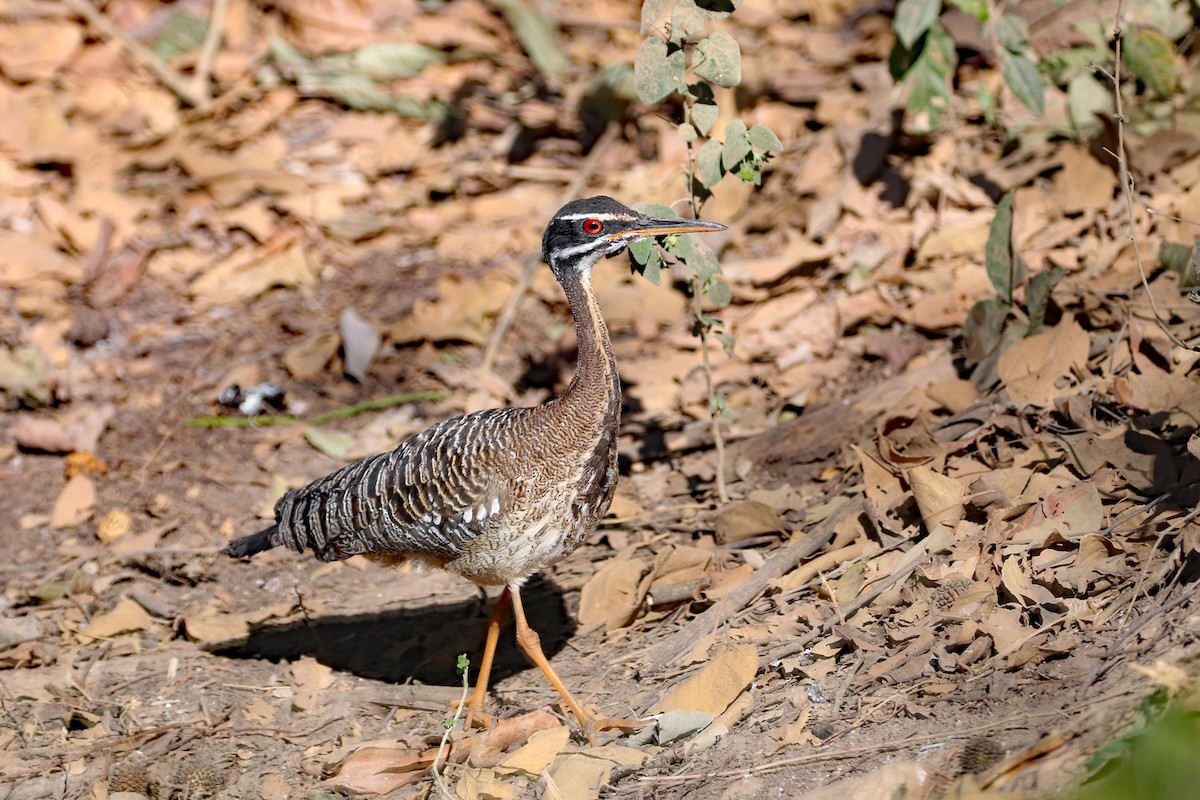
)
(252, 544)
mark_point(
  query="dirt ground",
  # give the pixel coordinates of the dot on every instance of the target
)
(927, 578)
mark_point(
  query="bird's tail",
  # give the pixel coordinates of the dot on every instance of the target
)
(252, 544)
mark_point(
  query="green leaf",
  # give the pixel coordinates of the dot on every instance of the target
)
(686, 20)
(1182, 260)
(987, 104)
(763, 138)
(1151, 56)
(929, 68)
(686, 132)
(647, 260)
(183, 33)
(1005, 270)
(388, 60)
(331, 443)
(698, 257)
(913, 18)
(1013, 33)
(727, 342)
(719, 59)
(704, 115)
(1023, 78)
(708, 163)
(719, 293)
(1037, 298)
(976, 8)
(981, 330)
(656, 74)
(657, 210)
(1088, 100)
(736, 146)
(538, 34)
(651, 11)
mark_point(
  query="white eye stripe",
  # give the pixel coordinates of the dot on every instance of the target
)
(603, 217)
(566, 252)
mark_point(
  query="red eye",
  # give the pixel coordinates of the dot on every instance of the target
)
(592, 226)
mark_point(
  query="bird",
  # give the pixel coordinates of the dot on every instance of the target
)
(499, 494)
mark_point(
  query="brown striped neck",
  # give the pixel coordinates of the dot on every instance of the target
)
(596, 381)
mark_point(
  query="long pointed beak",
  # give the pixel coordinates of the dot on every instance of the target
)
(665, 226)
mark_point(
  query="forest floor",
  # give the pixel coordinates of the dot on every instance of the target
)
(929, 577)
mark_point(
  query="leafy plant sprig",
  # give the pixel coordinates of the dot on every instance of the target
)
(681, 61)
(925, 57)
(995, 324)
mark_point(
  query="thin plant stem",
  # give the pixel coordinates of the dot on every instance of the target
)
(1127, 178)
(187, 91)
(439, 781)
(702, 327)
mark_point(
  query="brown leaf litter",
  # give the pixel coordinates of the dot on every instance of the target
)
(913, 561)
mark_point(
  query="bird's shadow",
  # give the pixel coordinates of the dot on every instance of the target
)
(420, 644)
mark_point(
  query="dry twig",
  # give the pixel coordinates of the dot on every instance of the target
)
(193, 92)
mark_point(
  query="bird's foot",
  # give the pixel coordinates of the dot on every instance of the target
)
(476, 718)
(592, 727)
(598, 724)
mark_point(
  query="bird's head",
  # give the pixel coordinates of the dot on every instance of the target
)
(585, 230)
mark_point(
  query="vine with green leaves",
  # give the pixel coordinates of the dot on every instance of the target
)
(925, 58)
(677, 59)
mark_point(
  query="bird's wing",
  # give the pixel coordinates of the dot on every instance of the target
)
(429, 496)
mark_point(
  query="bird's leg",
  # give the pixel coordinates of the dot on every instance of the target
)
(531, 645)
(496, 620)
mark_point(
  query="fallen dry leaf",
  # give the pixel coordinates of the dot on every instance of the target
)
(216, 627)
(381, 767)
(1038, 369)
(77, 429)
(459, 313)
(309, 357)
(910, 780)
(74, 504)
(309, 677)
(127, 616)
(671, 726)
(272, 786)
(245, 278)
(581, 775)
(746, 519)
(611, 597)
(939, 498)
(717, 684)
(37, 49)
(1083, 183)
(211, 625)
(481, 783)
(537, 754)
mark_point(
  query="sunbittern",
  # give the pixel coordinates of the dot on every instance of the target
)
(496, 495)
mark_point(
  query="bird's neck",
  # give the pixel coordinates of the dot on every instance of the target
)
(596, 382)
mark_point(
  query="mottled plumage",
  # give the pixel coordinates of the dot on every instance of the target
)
(495, 495)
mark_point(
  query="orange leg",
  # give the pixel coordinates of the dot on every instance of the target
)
(496, 620)
(531, 644)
